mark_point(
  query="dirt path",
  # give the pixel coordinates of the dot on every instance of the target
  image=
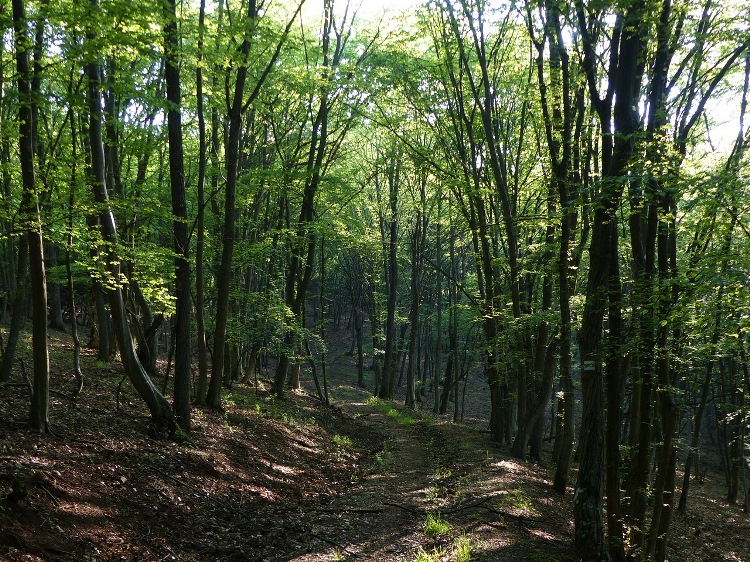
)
(432, 469)
(267, 480)
(290, 480)
(381, 517)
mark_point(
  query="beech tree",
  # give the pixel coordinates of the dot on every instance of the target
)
(541, 185)
(30, 213)
(183, 334)
(161, 412)
(238, 104)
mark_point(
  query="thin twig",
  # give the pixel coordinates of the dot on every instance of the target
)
(334, 543)
(405, 508)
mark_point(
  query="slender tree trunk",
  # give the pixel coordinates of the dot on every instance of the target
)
(161, 413)
(544, 364)
(101, 328)
(8, 269)
(200, 391)
(223, 280)
(237, 105)
(614, 375)
(39, 415)
(389, 368)
(18, 317)
(453, 327)
(436, 369)
(413, 366)
(182, 378)
(77, 373)
(358, 328)
(565, 451)
(53, 290)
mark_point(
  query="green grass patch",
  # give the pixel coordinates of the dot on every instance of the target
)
(435, 555)
(346, 391)
(401, 418)
(388, 409)
(432, 494)
(459, 551)
(270, 407)
(441, 473)
(518, 500)
(384, 459)
(435, 525)
(342, 441)
(462, 549)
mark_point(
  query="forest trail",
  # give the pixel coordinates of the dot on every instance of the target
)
(435, 491)
(287, 480)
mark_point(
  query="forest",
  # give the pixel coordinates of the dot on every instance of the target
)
(537, 203)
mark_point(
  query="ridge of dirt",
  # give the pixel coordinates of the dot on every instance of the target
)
(291, 480)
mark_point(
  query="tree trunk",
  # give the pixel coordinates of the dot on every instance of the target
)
(18, 317)
(623, 85)
(68, 259)
(436, 369)
(39, 415)
(53, 290)
(358, 329)
(389, 362)
(237, 105)
(161, 413)
(223, 280)
(200, 392)
(417, 243)
(182, 378)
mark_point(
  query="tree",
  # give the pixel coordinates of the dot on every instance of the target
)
(30, 212)
(182, 370)
(615, 108)
(161, 414)
(200, 324)
(238, 105)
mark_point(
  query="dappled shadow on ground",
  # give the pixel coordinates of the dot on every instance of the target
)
(288, 480)
(101, 489)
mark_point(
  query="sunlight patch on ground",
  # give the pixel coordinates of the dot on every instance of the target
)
(543, 535)
(509, 466)
(83, 509)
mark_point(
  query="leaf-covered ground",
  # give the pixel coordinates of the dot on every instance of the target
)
(287, 480)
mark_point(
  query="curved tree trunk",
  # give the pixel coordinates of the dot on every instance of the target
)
(161, 413)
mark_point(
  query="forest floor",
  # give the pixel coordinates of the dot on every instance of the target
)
(288, 479)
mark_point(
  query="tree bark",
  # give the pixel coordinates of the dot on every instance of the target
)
(623, 85)
(389, 363)
(182, 379)
(39, 415)
(77, 373)
(161, 413)
(200, 323)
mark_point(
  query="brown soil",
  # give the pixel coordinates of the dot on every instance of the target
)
(287, 480)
